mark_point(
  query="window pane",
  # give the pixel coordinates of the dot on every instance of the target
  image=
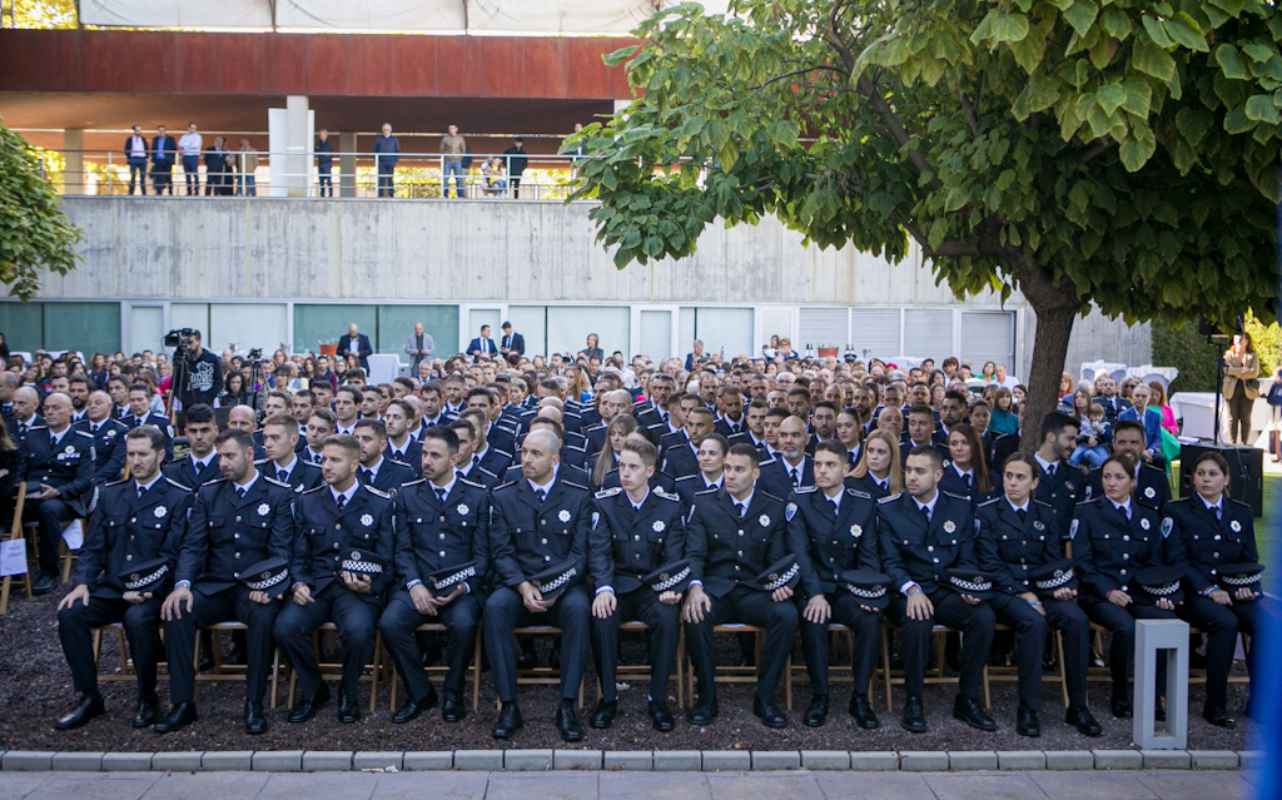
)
(529, 321)
(727, 330)
(568, 327)
(85, 327)
(315, 325)
(875, 332)
(928, 333)
(396, 326)
(246, 326)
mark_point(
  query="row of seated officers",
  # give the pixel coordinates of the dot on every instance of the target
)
(284, 553)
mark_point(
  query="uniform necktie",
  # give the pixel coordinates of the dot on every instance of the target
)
(282, 475)
(1219, 513)
(316, 458)
(836, 506)
(540, 496)
(240, 492)
(94, 426)
(925, 512)
(440, 495)
(742, 508)
(1050, 470)
(966, 480)
(796, 476)
(341, 501)
(141, 491)
(1023, 516)
(365, 474)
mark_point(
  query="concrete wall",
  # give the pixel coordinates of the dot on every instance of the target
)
(484, 251)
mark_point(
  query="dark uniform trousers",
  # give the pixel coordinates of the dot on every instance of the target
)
(210, 609)
(398, 623)
(1031, 629)
(976, 626)
(866, 627)
(1121, 623)
(752, 607)
(662, 620)
(356, 616)
(571, 613)
(75, 630)
(53, 515)
(1221, 624)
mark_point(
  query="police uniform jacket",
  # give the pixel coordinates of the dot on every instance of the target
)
(227, 533)
(527, 537)
(1151, 487)
(1108, 549)
(687, 486)
(913, 549)
(67, 466)
(680, 459)
(494, 460)
(626, 544)
(411, 454)
(391, 474)
(777, 480)
(595, 437)
(324, 537)
(1010, 549)
(501, 438)
(869, 486)
(955, 482)
(108, 447)
(184, 471)
(1194, 538)
(827, 540)
(126, 529)
(1063, 490)
(574, 474)
(725, 549)
(304, 475)
(160, 421)
(432, 536)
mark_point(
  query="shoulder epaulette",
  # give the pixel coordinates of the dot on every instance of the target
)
(85, 434)
(1091, 500)
(772, 496)
(261, 461)
(376, 492)
(37, 428)
(659, 491)
(115, 483)
(805, 489)
(214, 481)
(402, 463)
(474, 484)
(709, 490)
(1235, 501)
(575, 485)
(506, 485)
(857, 493)
(686, 478)
(890, 498)
(988, 502)
(275, 482)
(182, 486)
(611, 492)
(596, 427)
(503, 453)
(767, 462)
(1040, 503)
(413, 482)
(583, 449)
(956, 496)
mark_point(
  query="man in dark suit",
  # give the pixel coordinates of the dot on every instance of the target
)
(136, 156)
(483, 344)
(324, 150)
(355, 342)
(387, 151)
(163, 151)
(512, 342)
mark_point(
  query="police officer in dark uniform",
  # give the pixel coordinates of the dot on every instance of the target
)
(1204, 533)
(635, 531)
(283, 462)
(681, 456)
(201, 462)
(442, 526)
(793, 468)
(376, 470)
(733, 535)
(108, 437)
(1017, 540)
(1059, 483)
(236, 522)
(1114, 538)
(832, 529)
(922, 533)
(1151, 486)
(712, 461)
(344, 538)
(136, 523)
(57, 463)
(537, 523)
(401, 444)
(140, 413)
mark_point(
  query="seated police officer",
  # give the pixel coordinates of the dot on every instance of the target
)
(236, 523)
(733, 535)
(792, 468)
(57, 464)
(442, 540)
(635, 531)
(1058, 482)
(376, 470)
(283, 463)
(1018, 541)
(923, 533)
(108, 437)
(126, 562)
(343, 543)
(140, 413)
(1151, 486)
(1113, 539)
(832, 529)
(200, 465)
(539, 523)
(1208, 534)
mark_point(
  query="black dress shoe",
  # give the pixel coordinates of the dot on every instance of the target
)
(968, 711)
(452, 709)
(509, 721)
(180, 716)
(308, 706)
(1027, 723)
(769, 714)
(816, 712)
(914, 717)
(349, 710)
(661, 717)
(43, 583)
(86, 708)
(1080, 717)
(863, 713)
(255, 722)
(1219, 718)
(604, 713)
(1121, 707)
(567, 722)
(146, 714)
(413, 708)
(702, 714)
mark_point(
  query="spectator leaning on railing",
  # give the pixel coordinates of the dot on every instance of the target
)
(189, 147)
(453, 149)
(387, 151)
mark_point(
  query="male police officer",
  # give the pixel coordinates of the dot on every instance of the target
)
(442, 541)
(832, 529)
(635, 531)
(923, 533)
(382, 473)
(539, 522)
(201, 464)
(280, 442)
(108, 437)
(733, 535)
(237, 521)
(137, 524)
(140, 413)
(344, 537)
(1151, 486)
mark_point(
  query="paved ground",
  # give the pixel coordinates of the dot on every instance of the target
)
(1148, 785)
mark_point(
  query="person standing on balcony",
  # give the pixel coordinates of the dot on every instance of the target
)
(324, 150)
(248, 167)
(453, 149)
(136, 155)
(517, 161)
(189, 147)
(387, 151)
(163, 148)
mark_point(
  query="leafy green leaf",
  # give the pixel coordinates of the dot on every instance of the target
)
(1156, 31)
(1111, 97)
(1081, 16)
(1009, 28)
(617, 57)
(1116, 23)
(1186, 32)
(1260, 108)
(1152, 60)
(1259, 53)
(1230, 61)
(1194, 123)
(1236, 122)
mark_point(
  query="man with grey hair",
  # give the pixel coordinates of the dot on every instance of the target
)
(8, 385)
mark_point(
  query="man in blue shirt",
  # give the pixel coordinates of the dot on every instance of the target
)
(387, 149)
(163, 149)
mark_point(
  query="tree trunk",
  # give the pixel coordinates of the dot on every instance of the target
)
(1056, 306)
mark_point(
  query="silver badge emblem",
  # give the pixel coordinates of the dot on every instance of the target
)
(658, 526)
(764, 519)
(367, 520)
(856, 531)
(1144, 524)
(1236, 526)
(69, 449)
(264, 510)
(564, 516)
(1150, 492)
(462, 509)
(949, 526)
(160, 512)
(1039, 525)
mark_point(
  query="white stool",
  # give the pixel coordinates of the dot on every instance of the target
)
(1154, 639)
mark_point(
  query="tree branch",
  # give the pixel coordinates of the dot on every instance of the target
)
(794, 73)
(893, 125)
(969, 111)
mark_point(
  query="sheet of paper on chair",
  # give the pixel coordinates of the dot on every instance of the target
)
(74, 535)
(13, 557)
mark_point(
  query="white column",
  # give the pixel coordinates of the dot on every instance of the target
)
(74, 179)
(298, 143)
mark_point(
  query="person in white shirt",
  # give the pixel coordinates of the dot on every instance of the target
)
(189, 148)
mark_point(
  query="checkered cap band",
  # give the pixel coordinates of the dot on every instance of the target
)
(1164, 590)
(1241, 580)
(558, 581)
(362, 567)
(137, 582)
(1060, 578)
(867, 594)
(980, 585)
(673, 580)
(782, 579)
(456, 577)
(268, 582)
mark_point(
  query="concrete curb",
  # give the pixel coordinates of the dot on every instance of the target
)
(647, 760)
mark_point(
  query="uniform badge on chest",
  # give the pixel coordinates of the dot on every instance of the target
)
(949, 526)
(856, 531)
(462, 509)
(367, 520)
(160, 512)
(263, 509)
(764, 519)
(658, 526)
(564, 516)
(1235, 526)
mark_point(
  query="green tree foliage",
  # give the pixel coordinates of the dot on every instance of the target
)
(1118, 153)
(35, 234)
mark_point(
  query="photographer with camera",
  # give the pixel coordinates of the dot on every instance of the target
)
(198, 373)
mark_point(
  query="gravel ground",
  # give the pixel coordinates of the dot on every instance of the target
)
(35, 687)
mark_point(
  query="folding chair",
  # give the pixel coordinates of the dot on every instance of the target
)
(232, 672)
(642, 671)
(334, 669)
(15, 532)
(738, 674)
(1010, 674)
(474, 668)
(932, 677)
(540, 676)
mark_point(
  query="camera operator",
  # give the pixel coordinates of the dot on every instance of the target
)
(204, 372)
